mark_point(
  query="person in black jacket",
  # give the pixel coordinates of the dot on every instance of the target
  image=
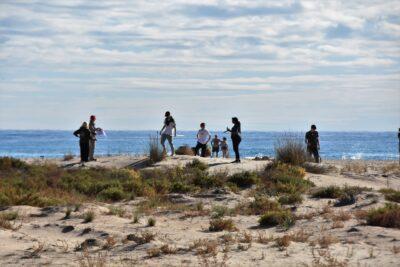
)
(312, 142)
(236, 137)
(84, 138)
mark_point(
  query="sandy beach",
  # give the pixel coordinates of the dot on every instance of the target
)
(324, 234)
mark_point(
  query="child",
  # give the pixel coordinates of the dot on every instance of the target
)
(215, 146)
(224, 148)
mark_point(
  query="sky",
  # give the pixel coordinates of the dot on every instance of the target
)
(276, 65)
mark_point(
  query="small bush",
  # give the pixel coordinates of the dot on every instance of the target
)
(345, 199)
(284, 178)
(136, 218)
(260, 205)
(197, 164)
(9, 216)
(118, 211)
(328, 192)
(184, 150)
(151, 222)
(156, 152)
(67, 213)
(112, 193)
(89, 216)
(283, 242)
(5, 224)
(244, 179)
(289, 199)
(391, 195)
(326, 240)
(387, 216)
(219, 211)
(154, 252)
(7, 163)
(220, 224)
(290, 149)
(318, 168)
(282, 218)
(68, 157)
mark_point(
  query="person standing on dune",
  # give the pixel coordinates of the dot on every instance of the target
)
(215, 144)
(84, 138)
(203, 137)
(236, 133)
(312, 142)
(93, 131)
(166, 132)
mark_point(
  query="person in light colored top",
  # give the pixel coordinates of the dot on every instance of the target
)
(167, 131)
(203, 137)
(93, 131)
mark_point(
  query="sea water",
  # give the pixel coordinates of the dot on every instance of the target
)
(334, 145)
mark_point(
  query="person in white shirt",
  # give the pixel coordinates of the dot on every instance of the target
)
(167, 131)
(203, 137)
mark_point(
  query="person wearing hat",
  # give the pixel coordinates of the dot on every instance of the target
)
(92, 143)
(84, 138)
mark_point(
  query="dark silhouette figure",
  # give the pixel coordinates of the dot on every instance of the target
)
(215, 144)
(84, 138)
(236, 137)
(312, 141)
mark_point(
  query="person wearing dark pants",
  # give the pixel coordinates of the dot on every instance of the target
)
(203, 137)
(236, 133)
(84, 138)
(312, 142)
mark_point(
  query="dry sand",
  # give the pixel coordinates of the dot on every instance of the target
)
(43, 237)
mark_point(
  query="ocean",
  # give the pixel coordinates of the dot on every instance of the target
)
(334, 145)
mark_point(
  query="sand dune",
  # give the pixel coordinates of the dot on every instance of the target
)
(44, 237)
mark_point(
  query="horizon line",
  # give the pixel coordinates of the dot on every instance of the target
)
(213, 130)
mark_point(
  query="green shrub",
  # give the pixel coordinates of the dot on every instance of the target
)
(283, 218)
(260, 205)
(388, 216)
(118, 211)
(9, 216)
(89, 216)
(151, 222)
(244, 179)
(197, 164)
(290, 149)
(289, 199)
(7, 163)
(391, 195)
(219, 211)
(217, 225)
(328, 192)
(112, 193)
(203, 179)
(286, 179)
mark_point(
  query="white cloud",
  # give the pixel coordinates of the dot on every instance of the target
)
(238, 49)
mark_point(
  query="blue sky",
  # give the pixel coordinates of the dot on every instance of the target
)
(277, 65)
